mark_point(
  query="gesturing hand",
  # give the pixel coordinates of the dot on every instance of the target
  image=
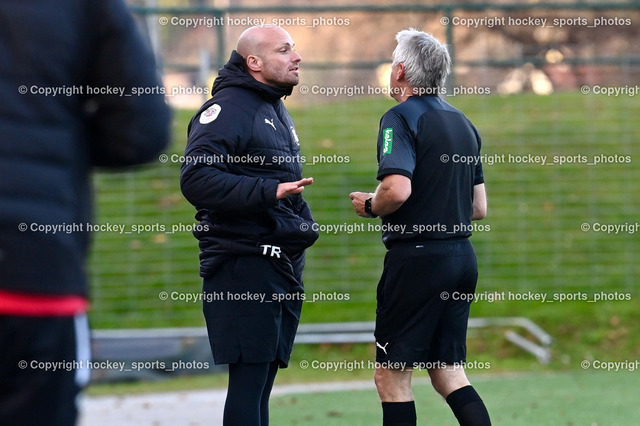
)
(289, 188)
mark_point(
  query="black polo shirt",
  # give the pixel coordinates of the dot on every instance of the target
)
(437, 147)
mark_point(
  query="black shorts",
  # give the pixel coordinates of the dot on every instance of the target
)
(43, 367)
(252, 311)
(421, 317)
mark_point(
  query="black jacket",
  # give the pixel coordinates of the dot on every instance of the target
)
(49, 141)
(242, 144)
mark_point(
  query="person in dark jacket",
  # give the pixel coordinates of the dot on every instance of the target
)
(243, 173)
(64, 68)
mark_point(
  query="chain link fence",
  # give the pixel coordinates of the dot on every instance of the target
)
(553, 89)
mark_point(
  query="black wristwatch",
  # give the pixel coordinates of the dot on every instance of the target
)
(367, 208)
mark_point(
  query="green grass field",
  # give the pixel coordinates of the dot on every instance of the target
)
(570, 399)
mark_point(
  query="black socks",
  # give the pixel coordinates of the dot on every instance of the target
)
(399, 413)
(468, 407)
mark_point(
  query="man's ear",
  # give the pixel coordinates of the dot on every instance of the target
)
(400, 73)
(254, 63)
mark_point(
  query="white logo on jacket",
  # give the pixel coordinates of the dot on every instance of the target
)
(210, 114)
(270, 123)
(295, 135)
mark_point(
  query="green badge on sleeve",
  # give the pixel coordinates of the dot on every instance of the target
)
(388, 140)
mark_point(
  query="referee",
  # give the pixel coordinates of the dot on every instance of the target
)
(427, 202)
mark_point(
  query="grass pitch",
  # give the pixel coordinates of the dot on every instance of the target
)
(568, 399)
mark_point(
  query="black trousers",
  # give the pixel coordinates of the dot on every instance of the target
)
(40, 374)
(252, 311)
(424, 297)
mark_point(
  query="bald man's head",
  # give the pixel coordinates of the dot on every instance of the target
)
(254, 40)
(269, 55)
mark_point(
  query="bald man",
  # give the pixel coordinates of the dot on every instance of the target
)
(243, 173)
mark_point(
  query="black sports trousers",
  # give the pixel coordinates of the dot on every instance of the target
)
(252, 311)
(423, 302)
(31, 393)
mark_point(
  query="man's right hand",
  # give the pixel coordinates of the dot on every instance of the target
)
(289, 188)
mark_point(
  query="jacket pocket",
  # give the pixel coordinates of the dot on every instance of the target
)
(293, 233)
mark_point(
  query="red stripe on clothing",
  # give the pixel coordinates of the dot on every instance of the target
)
(38, 305)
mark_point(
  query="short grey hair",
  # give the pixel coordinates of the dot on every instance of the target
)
(427, 62)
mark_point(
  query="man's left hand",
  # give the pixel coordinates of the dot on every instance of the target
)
(358, 199)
